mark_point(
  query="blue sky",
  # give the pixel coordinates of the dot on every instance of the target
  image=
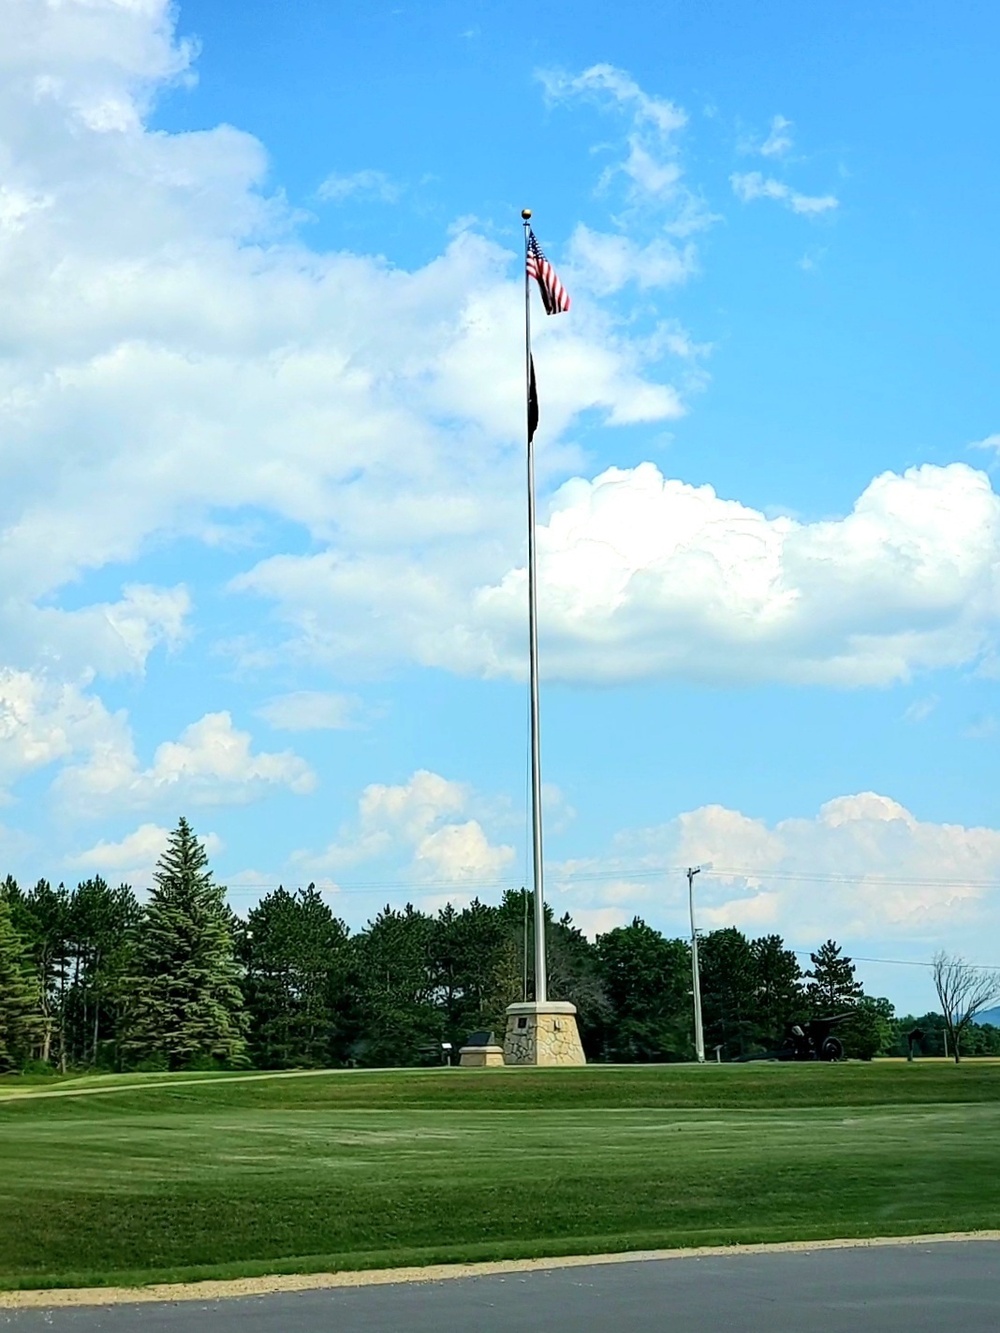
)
(261, 491)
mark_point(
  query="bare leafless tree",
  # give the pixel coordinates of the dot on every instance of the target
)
(963, 991)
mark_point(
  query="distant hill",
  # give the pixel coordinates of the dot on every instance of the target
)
(989, 1016)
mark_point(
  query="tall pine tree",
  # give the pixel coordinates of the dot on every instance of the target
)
(833, 987)
(188, 1005)
(728, 982)
(778, 995)
(396, 989)
(295, 954)
(43, 918)
(20, 1014)
(102, 936)
(647, 980)
(476, 963)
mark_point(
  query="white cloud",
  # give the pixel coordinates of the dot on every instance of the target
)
(43, 722)
(641, 576)
(185, 328)
(605, 262)
(811, 261)
(981, 728)
(99, 59)
(594, 921)
(991, 443)
(460, 852)
(146, 617)
(748, 185)
(134, 859)
(656, 195)
(104, 638)
(714, 835)
(421, 820)
(863, 868)
(17, 206)
(211, 764)
(651, 176)
(779, 140)
(311, 710)
(15, 846)
(558, 811)
(921, 709)
(367, 184)
(411, 807)
(606, 84)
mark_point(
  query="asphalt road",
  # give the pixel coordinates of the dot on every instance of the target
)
(905, 1289)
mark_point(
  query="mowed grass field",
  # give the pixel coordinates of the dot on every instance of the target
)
(183, 1177)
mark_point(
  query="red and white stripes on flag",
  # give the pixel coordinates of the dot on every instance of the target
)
(555, 297)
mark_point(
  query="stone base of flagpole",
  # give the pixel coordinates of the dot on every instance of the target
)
(543, 1033)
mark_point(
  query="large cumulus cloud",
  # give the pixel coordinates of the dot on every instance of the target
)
(645, 576)
(863, 868)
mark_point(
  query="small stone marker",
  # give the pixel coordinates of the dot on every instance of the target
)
(480, 1052)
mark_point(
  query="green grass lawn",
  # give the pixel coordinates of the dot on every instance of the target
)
(171, 1177)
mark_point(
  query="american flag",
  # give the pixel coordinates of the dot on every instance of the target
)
(555, 297)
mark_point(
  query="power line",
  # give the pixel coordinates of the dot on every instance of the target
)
(860, 877)
(895, 962)
(427, 889)
(649, 872)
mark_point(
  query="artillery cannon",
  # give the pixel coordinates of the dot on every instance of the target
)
(814, 1040)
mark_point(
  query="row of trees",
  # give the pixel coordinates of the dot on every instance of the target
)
(91, 978)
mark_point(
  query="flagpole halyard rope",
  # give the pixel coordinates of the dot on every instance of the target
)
(541, 983)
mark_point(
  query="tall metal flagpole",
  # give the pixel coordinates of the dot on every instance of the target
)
(541, 981)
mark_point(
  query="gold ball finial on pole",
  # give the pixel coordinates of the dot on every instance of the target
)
(526, 213)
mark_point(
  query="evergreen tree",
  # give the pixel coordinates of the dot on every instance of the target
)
(647, 980)
(833, 987)
(728, 991)
(44, 914)
(981, 1039)
(476, 960)
(574, 974)
(399, 1023)
(13, 896)
(778, 995)
(20, 1016)
(295, 956)
(187, 1005)
(870, 1030)
(102, 926)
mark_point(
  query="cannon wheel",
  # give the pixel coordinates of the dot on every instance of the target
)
(832, 1049)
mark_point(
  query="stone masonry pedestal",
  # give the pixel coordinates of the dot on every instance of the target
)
(542, 1033)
